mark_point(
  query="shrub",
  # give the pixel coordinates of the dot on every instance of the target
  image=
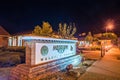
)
(2, 48)
(7, 61)
(16, 49)
(95, 48)
(14, 60)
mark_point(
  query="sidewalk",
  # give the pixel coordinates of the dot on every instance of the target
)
(107, 68)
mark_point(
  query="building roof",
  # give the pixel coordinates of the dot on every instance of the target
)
(3, 32)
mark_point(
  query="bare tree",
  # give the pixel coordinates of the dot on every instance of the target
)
(66, 31)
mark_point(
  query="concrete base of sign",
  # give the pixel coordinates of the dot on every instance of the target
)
(27, 72)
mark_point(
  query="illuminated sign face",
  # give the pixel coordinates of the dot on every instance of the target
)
(45, 52)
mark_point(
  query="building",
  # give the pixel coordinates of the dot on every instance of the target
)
(82, 42)
(4, 35)
(16, 39)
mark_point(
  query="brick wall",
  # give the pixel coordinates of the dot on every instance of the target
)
(3, 41)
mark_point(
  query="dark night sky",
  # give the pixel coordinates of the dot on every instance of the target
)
(88, 15)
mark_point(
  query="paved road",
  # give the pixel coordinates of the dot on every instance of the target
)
(107, 68)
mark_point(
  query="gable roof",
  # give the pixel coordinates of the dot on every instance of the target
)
(3, 31)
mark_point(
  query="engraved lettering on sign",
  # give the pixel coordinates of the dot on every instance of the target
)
(60, 48)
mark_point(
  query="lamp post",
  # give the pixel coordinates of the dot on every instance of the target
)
(109, 25)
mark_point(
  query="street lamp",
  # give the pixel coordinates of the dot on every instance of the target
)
(108, 26)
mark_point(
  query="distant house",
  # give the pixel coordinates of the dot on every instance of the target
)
(4, 35)
(16, 39)
(82, 42)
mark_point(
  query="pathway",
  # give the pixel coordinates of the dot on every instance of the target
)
(107, 68)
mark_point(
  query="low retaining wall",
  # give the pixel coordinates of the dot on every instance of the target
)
(25, 72)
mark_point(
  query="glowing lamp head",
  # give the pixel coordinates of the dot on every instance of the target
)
(110, 24)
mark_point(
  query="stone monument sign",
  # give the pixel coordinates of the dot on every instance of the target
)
(45, 56)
